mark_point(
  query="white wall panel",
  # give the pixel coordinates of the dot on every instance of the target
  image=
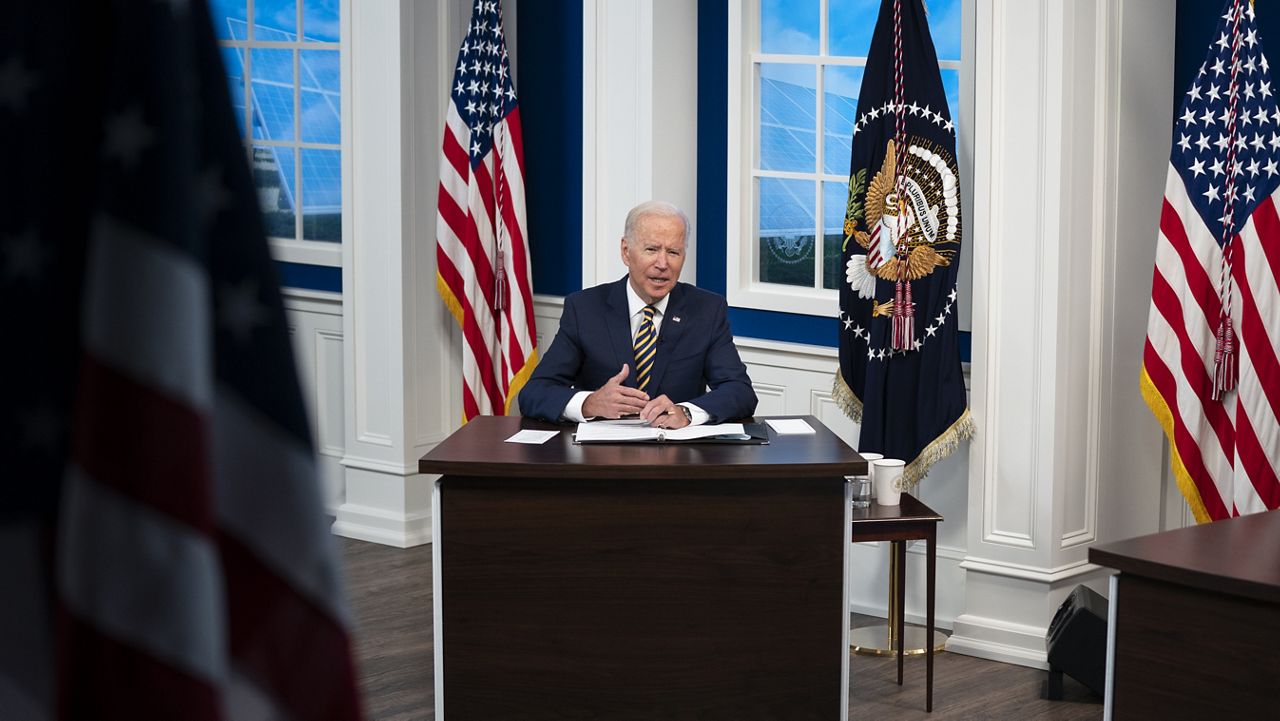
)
(315, 325)
(1059, 196)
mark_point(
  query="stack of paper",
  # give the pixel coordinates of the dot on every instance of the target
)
(613, 432)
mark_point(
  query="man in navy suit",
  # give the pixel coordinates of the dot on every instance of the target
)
(645, 344)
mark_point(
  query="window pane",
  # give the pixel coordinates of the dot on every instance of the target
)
(319, 70)
(839, 109)
(228, 10)
(234, 64)
(788, 139)
(321, 194)
(835, 197)
(789, 27)
(278, 15)
(272, 90)
(944, 26)
(849, 26)
(273, 176)
(787, 225)
(951, 86)
(321, 101)
(320, 20)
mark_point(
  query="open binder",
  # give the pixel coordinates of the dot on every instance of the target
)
(731, 433)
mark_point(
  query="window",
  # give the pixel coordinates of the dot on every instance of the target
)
(282, 59)
(795, 72)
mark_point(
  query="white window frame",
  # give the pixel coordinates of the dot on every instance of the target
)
(297, 249)
(743, 288)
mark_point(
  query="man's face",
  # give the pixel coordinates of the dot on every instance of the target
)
(655, 256)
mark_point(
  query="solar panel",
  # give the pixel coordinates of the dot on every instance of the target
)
(780, 104)
(271, 88)
(786, 207)
(834, 198)
(272, 105)
(234, 64)
(787, 144)
(322, 179)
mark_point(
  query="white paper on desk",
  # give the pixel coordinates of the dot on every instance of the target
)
(533, 437)
(612, 432)
(789, 426)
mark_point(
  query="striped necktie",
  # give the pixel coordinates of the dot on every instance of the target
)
(645, 348)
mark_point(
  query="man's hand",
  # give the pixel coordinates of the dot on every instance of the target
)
(615, 400)
(662, 413)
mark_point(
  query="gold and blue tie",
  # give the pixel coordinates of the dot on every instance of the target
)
(645, 348)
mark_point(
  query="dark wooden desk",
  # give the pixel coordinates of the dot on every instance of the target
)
(640, 580)
(910, 520)
(1196, 621)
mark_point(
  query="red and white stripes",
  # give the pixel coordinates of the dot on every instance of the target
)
(1224, 450)
(499, 348)
(195, 574)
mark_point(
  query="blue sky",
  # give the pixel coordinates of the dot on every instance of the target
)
(320, 17)
(792, 27)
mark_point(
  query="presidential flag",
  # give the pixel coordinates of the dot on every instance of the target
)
(900, 375)
(170, 558)
(1209, 369)
(482, 250)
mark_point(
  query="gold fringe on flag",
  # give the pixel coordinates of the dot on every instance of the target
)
(917, 468)
(1164, 417)
(450, 302)
(846, 400)
(944, 445)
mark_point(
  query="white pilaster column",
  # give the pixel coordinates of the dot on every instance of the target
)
(1073, 110)
(400, 359)
(639, 121)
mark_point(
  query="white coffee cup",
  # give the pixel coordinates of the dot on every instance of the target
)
(870, 458)
(885, 473)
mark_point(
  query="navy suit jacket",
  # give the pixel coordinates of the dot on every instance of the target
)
(695, 352)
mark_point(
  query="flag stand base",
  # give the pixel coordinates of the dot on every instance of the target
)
(882, 638)
(876, 641)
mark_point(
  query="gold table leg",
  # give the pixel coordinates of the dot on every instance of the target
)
(881, 639)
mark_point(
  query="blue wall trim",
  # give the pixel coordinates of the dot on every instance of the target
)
(549, 88)
(310, 277)
(713, 145)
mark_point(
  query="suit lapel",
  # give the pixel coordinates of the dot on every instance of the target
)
(618, 321)
(673, 325)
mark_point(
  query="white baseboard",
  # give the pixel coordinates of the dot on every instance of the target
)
(365, 523)
(916, 619)
(997, 640)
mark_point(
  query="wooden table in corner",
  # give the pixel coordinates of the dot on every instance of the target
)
(908, 521)
(664, 580)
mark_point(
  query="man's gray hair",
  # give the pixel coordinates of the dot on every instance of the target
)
(658, 208)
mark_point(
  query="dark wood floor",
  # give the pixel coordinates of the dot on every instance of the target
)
(390, 591)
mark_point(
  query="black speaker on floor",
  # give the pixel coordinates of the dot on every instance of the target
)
(1077, 642)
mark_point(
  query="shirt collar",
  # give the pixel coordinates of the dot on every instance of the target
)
(635, 304)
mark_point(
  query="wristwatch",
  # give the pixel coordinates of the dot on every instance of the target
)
(688, 415)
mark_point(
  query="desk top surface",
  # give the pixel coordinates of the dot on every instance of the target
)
(478, 449)
(1238, 556)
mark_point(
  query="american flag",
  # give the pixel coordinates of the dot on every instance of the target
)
(1210, 371)
(482, 252)
(176, 562)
